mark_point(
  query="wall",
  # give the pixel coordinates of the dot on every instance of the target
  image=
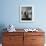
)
(9, 13)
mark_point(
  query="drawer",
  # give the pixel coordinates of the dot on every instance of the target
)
(12, 44)
(34, 33)
(37, 44)
(37, 39)
(13, 33)
(8, 45)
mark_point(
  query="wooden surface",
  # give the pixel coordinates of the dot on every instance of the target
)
(21, 38)
(12, 39)
(34, 39)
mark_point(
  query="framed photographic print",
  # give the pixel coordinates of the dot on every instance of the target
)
(26, 13)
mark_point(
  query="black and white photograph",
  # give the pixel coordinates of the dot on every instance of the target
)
(26, 13)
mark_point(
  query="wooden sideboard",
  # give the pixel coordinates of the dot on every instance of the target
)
(23, 38)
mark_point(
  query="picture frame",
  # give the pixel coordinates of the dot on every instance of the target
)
(26, 13)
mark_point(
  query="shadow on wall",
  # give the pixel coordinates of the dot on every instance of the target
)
(2, 26)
